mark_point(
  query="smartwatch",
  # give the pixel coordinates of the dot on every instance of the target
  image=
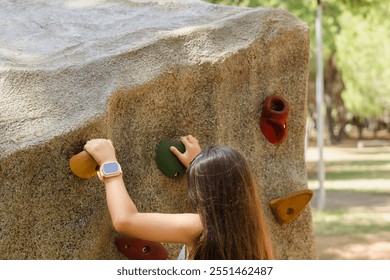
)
(110, 169)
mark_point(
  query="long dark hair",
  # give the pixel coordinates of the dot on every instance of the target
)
(222, 191)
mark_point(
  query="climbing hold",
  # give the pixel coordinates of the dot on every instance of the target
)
(274, 131)
(167, 162)
(289, 207)
(138, 249)
(273, 121)
(83, 165)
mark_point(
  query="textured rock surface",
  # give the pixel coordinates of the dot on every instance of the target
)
(138, 72)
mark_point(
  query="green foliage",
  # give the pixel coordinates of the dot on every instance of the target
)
(363, 55)
(364, 7)
(359, 32)
(305, 10)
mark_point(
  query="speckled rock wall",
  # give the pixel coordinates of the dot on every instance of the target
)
(139, 72)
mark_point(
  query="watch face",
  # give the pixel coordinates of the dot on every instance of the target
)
(111, 168)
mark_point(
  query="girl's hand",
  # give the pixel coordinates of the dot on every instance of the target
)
(192, 150)
(102, 150)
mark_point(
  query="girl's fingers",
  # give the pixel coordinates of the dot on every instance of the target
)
(192, 139)
(189, 139)
(184, 140)
(175, 151)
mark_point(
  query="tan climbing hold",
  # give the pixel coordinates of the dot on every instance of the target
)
(83, 165)
(289, 207)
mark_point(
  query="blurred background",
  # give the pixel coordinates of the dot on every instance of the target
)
(351, 206)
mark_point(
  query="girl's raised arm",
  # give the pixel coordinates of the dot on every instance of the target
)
(175, 228)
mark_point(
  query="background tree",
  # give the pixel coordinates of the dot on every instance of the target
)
(364, 58)
(356, 54)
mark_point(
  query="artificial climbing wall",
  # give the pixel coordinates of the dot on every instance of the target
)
(138, 72)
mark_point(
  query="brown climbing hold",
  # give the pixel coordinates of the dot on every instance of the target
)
(289, 207)
(138, 249)
(83, 165)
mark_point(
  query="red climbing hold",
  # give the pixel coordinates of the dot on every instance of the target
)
(138, 249)
(273, 121)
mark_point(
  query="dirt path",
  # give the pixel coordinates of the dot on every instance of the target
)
(374, 200)
(372, 246)
(368, 247)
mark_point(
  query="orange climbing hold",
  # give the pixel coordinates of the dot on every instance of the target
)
(289, 207)
(83, 165)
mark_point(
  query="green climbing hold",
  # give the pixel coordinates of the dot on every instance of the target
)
(167, 162)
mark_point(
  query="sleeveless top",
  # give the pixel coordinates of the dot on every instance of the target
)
(182, 254)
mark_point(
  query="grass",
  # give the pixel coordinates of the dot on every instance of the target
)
(345, 222)
(350, 171)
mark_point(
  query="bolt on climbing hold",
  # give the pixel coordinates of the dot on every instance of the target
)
(289, 207)
(273, 120)
(146, 249)
(138, 249)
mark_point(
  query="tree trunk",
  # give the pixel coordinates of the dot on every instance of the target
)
(335, 109)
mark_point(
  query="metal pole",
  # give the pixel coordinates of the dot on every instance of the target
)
(319, 103)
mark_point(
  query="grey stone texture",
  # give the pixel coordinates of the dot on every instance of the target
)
(138, 72)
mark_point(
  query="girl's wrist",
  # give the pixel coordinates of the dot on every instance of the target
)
(108, 159)
(113, 180)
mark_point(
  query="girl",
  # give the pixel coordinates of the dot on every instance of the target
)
(227, 223)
